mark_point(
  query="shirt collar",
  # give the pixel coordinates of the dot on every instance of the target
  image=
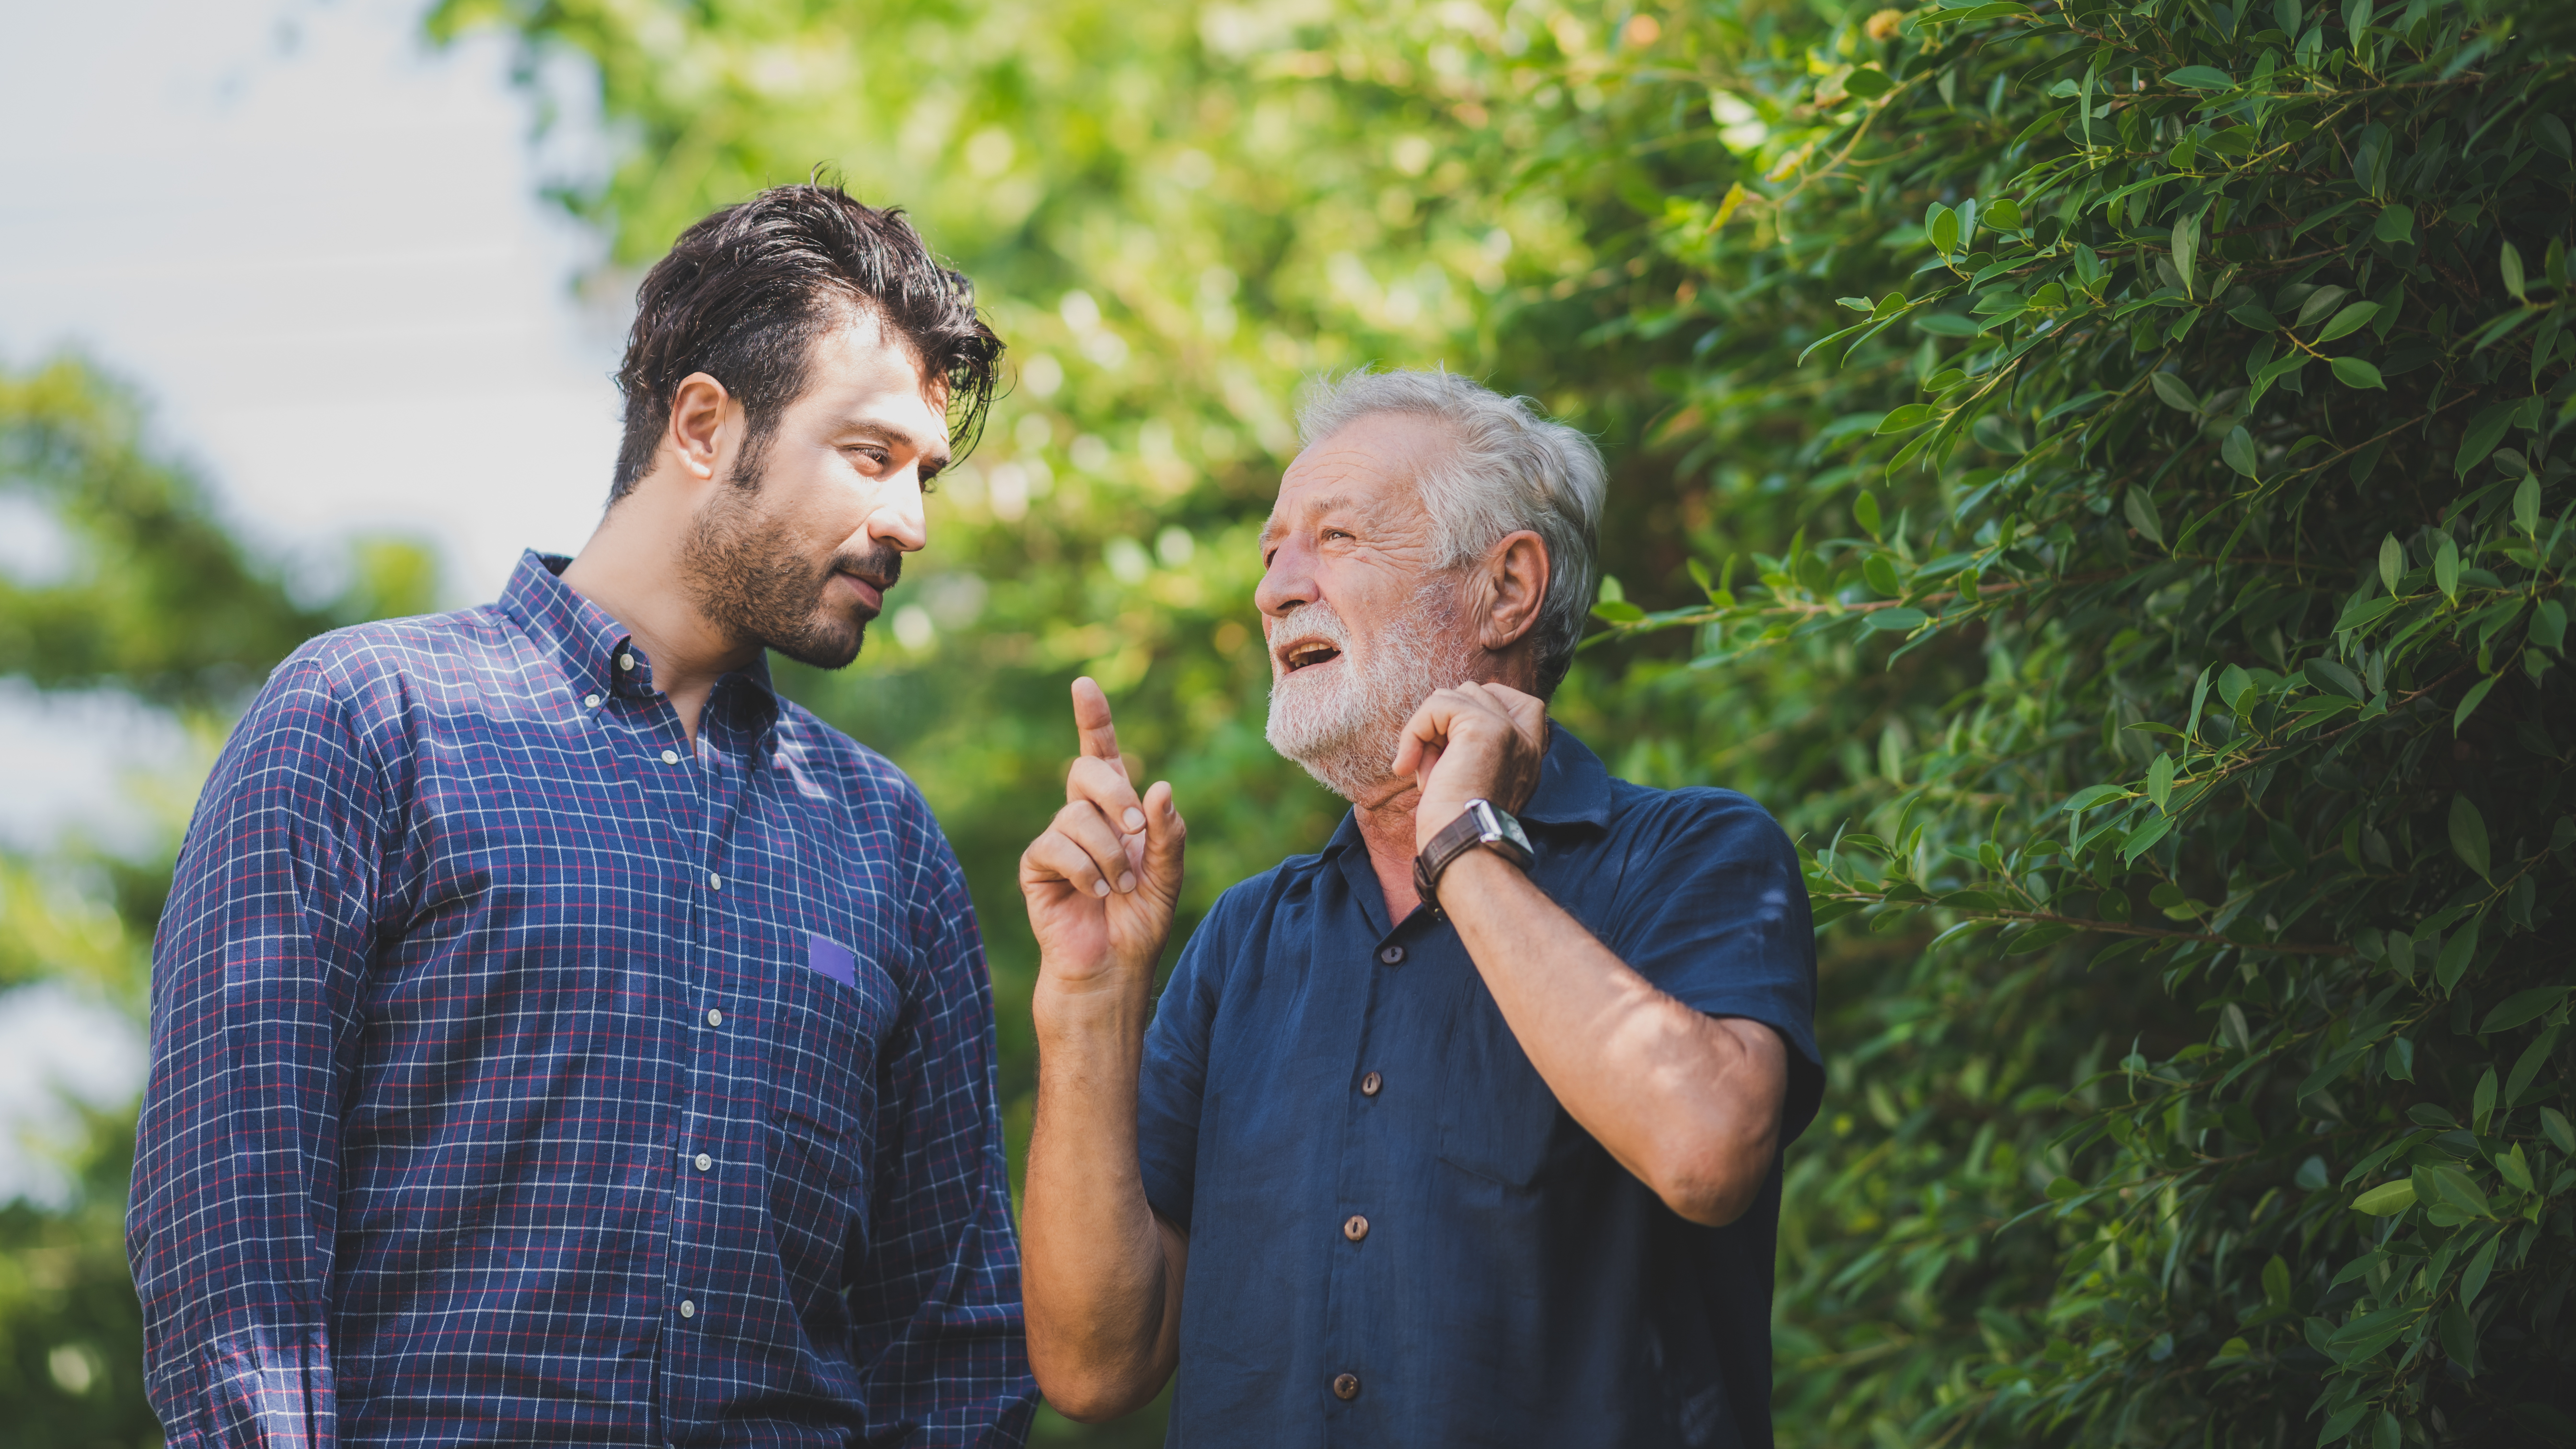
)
(1573, 789)
(598, 654)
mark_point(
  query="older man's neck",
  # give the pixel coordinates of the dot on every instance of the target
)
(1386, 827)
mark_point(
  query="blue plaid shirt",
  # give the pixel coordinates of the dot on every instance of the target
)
(522, 1074)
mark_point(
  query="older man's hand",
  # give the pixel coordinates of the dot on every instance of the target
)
(1474, 742)
(1102, 882)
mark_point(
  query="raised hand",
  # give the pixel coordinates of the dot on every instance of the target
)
(1474, 742)
(1101, 883)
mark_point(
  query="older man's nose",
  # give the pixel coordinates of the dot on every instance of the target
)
(1285, 584)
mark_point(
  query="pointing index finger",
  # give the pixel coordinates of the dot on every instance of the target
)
(1091, 720)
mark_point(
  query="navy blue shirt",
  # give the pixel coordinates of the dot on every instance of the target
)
(1397, 1236)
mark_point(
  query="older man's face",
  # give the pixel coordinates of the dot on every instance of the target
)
(1361, 619)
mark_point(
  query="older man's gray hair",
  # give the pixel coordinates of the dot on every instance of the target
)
(1507, 468)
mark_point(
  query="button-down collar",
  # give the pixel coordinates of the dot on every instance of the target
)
(599, 656)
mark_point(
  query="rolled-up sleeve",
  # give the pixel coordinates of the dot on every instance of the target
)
(935, 1305)
(256, 977)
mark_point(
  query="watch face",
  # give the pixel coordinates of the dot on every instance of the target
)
(1511, 830)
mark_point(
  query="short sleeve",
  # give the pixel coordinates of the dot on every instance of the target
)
(1172, 1082)
(1712, 909)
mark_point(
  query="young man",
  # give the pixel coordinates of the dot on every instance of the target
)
(1467, 1130)
(556, 1036)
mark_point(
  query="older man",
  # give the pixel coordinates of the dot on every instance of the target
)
(1466, 1130)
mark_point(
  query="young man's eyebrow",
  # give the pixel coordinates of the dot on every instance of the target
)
(889, 433)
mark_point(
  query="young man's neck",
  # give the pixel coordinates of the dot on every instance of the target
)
(631, 568)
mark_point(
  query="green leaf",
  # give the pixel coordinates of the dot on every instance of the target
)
(1895, 621)
(2139, 841)
(2482, 1103)
(2459, 1336)
(2515, 1168)
(2348, 321)
(2200, 78)
(2319, 303)
(2233, 683)
(2526, 506)
(2004, 215)
(2453, 1186)
(2457, 952)
(2485, 431)
(2324, 673)
(2355, 373)
(1865, 513)
(1912, 415)
(1941, 224)
(2554, 1125)
(2511, 265)
(2175, 392)
(2238, 451)
(2395, 225)
(2473, 1279)
(2392, 562)
(2469, 833)
(2388, 1199)
(2522, 1006)
(2253, 315)
(2160, 776)
(2469, 702)
(1868, 83)
(2276, 1282)
(2092, 795)
(1617, 611)
(1881, 573)
(2142, 517)
(2446, 569)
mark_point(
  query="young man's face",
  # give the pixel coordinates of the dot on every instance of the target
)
(796, 550)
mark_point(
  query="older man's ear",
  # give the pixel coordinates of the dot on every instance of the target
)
(1505, 595)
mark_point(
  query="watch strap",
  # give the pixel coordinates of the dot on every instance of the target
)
(1455, 839)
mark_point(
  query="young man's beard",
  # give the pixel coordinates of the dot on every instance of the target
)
(1345, 732)
(744, 574)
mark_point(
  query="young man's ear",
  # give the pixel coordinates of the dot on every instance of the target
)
(700, 410)
(1509, 590)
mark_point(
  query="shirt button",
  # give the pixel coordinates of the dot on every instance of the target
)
(1370, 1083)
(670, 757)
(1355, 1229)
(625, 661)
(590, 701)
(1391, 955)
(714, 1017)
(690, 1310)
(715, 880)
(1346, 1386)
(705, 1162)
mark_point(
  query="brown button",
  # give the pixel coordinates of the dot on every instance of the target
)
(1392, 955)
(1346, 1386)
(1356, 1228)
(1370, 1083)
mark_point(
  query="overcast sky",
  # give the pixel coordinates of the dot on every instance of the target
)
(315, 246)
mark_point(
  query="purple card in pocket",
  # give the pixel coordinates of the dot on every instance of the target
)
(832, 959)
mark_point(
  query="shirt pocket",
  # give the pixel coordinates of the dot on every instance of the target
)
(831, 1012)
(1498, 1120)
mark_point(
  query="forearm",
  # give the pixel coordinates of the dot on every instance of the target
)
(1102, 1273)
(1687, 1102)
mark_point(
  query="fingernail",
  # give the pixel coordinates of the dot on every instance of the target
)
(1135, 818)
(1127, 882)
(1100, 888)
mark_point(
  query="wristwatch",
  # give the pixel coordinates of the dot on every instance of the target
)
(1481, 823)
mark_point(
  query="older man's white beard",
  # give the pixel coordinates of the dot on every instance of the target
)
(1344, 729)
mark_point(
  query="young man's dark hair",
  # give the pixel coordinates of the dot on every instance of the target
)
(744, 293)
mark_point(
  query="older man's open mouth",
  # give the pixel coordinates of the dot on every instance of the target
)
(1307, 653)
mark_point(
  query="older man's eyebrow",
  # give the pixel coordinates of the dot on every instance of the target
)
(1315, 508)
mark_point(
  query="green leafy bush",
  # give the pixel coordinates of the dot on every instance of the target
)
(2133, 546)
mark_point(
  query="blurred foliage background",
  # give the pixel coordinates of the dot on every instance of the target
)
(2089, 469)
